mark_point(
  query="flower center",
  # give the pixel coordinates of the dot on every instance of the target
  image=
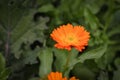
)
(70, 39)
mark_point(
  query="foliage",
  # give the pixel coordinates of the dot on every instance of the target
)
(27, 51)
(4, 72)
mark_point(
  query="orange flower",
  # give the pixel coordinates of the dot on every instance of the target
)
(58, 76)
(68, 36)
(73, 78)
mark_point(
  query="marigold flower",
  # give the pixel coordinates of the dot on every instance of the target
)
(58, 76)
(68, 36)
(73, 78)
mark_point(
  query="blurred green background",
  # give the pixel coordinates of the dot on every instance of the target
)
(25, 27)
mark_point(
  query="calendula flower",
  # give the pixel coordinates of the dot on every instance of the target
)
(58, 76)
(73, 78)
(68, 36)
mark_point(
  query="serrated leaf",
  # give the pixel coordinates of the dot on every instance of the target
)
(18, 27)
(26, 32)
(30, 56)
(46, 58)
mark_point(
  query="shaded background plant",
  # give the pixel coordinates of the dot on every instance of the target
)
(26, 46)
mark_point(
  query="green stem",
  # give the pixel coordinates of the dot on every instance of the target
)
(67, 63)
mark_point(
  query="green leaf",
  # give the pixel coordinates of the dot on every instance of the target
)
(46, 8)
(4, 72)
(30, 56)
(116, 75)
(41, 2)
(2, 62)
(115, 21)
(82, 72)
(46, 58)
(94, 5)
(65, 60)
(117, 62)
(10, 13)
(91, 19)
(114, 31)
(61, 58)
(93, 54)
(72, 55)
(103, 76)
(26, 32)
(107, 58)
(17, 25)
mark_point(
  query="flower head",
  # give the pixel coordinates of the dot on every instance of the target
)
(73, 78)
(68, 36)
(58, 76)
